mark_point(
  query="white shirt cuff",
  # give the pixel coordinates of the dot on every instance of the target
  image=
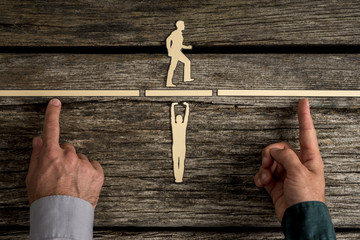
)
(61, 217)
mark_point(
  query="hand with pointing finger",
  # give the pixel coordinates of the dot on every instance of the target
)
(57, 169)
(292, 177)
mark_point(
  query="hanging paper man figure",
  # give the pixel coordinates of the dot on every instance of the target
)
(174, 44)
(178, 127)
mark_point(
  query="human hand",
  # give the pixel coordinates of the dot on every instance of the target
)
(291, 177)
(57, 169)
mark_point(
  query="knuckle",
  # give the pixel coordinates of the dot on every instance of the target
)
(51, 153)
(83, 156)
(288, 153)
(87, 169)
(285, 144)
(64, 144)
(100, 174)
(96, 163)
(71, 157)
(100, 177)
(263, 151)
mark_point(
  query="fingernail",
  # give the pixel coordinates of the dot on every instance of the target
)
(55, 102)
(35, 142)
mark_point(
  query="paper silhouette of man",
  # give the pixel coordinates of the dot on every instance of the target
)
(174, 44)
(178, 126)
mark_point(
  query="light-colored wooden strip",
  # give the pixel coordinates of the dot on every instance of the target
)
(69, 93)
(178, 93)
(290, 93)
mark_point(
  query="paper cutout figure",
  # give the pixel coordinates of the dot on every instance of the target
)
(178, 127)
(174, 44)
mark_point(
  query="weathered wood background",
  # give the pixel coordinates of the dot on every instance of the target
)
(131, 137)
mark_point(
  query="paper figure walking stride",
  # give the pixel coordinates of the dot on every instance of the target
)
(178, 126)
(174, 44)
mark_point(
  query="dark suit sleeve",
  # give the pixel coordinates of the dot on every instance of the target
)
(308, 220)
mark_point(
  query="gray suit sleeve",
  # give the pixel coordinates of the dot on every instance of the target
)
(61, 217)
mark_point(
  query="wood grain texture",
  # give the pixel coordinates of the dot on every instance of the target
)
(131, 137)
(208, 23)
(132, 140)
(197, 235)
(211, 71)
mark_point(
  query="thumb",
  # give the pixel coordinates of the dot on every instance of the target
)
(287, 158)
(37, 145)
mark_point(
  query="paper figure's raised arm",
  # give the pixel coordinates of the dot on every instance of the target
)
(173, 113)
(187, 110)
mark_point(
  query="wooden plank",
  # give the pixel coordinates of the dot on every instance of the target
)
(135, 134)
(132, 140)
(178, 93)
(289, 93)
(210, 23)
(69, 93)
(210, 71)
(183, 234)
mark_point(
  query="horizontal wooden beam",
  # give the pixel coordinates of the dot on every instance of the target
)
(69, 93)
(179, 93)
(290, 93)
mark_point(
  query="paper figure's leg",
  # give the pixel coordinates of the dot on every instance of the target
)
(176, 167)
(187, 71)
(187, 68)
(181, 168)
(170, 74)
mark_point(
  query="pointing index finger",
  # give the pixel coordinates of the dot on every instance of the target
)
(51, 131)
(308, 140)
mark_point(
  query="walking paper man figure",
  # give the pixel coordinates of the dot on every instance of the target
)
(174, 44)
(178, 126)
